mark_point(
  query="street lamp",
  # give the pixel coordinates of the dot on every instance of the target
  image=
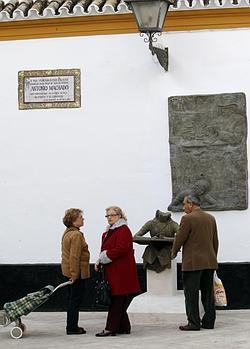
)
(150, 16)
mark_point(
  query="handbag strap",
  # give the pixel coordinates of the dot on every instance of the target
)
(101, 273)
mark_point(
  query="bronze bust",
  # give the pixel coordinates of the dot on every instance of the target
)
(162, 229)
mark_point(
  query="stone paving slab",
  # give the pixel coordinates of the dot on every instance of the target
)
(47, 330)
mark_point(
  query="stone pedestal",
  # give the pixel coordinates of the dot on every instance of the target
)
(161, 298)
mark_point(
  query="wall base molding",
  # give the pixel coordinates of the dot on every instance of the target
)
(16, 280)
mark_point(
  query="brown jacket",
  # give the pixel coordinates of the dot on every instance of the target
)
(75, 254)
(198, 236)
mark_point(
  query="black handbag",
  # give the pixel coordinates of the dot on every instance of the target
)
(102, 290)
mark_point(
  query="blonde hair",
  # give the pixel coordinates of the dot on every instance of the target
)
(70, 216)
(118, 211)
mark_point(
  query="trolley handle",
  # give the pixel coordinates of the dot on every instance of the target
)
(66, 283)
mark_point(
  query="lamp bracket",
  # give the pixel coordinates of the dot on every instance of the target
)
(161, 53)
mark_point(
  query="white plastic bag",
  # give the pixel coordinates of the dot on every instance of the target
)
(220, 298)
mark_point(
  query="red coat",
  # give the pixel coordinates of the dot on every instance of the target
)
(121, 273)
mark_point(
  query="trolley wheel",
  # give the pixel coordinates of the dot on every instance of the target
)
(16, 332)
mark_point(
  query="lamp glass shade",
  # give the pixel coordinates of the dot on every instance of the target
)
(150, 15)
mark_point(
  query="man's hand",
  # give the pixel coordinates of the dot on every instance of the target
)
(173, 256)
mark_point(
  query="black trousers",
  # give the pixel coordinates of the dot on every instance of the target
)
(75, 295)
(193, 282)
(117, 319)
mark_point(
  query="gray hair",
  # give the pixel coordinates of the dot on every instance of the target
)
(118, 211)
(193, 199)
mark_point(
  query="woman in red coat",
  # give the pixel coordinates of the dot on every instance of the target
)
(117, 257)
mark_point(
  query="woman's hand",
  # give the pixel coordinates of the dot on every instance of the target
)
(103, 258)
(97, 267)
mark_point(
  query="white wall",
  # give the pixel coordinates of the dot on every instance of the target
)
(112, 150)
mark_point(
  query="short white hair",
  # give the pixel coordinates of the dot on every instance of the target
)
(118, 211)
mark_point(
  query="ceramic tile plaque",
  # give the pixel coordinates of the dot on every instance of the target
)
(208, 150)
(42, 89)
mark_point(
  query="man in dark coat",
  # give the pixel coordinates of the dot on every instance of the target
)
(198, 238)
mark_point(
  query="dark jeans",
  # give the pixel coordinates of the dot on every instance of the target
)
(117, 320)
(75, 295)
(193, 282)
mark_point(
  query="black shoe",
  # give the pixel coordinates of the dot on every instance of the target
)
(105, 334)
(79, 330)
(188, 328)
(207, 327)
(124, 332)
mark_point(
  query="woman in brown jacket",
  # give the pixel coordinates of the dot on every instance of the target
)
(75, 266)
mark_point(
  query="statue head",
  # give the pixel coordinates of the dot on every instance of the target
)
(201, 186)
(162, 216)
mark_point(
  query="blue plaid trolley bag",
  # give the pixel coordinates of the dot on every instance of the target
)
(13, 311)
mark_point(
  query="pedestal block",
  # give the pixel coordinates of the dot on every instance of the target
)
(162, 297)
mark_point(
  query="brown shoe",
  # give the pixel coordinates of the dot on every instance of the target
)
(188, 328)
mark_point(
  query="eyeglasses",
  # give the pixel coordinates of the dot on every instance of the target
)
(111, 215)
